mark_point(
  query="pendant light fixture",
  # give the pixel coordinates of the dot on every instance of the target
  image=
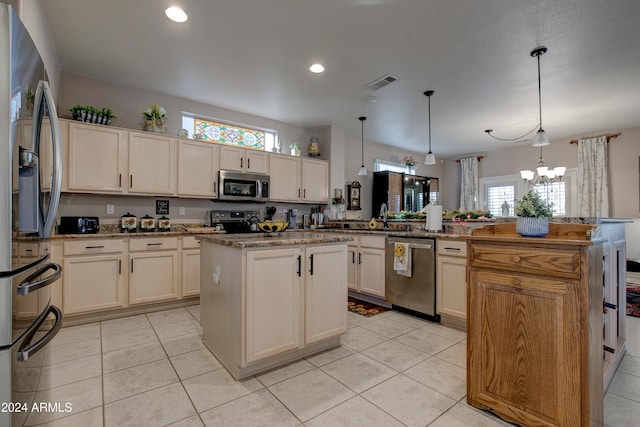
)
(363, 170)
(430, 159)
(541, 139)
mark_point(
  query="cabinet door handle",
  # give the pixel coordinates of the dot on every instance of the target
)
(298, 193)
(299, 265)
(304, 193)
(132, 266)
(353, 257)
(248, 163)
(119, 266)
(94, 247)
(609, 305)
(359, 257)
(131, 181)
(154, 244)
(452, 249)
(311, 264)
(214, 187)
(119, 180)
(608, 349)
(241, 159)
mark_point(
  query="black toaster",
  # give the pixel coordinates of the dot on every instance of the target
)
(78, 225)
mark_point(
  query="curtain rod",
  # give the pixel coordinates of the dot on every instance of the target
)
(479, 158)
(609, 137)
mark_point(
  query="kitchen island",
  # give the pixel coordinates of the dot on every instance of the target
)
(269, 299)
(535, 325)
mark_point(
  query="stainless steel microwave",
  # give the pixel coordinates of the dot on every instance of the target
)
(242, 187)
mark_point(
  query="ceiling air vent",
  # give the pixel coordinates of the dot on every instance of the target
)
(381, 82)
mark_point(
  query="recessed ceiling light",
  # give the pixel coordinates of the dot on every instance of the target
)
(316, 68)
(176, 14)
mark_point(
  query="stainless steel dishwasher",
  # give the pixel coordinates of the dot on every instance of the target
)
(416, 293)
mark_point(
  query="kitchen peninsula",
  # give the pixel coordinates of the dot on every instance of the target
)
(270, 299)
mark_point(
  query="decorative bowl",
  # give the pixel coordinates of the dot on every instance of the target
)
(273, 226)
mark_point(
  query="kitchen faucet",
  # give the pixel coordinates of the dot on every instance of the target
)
(383, 214)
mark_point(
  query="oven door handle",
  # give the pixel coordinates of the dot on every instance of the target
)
(27, 286)
(413, 245)
(27, 349)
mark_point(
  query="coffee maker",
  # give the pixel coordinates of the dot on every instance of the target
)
(292, 214)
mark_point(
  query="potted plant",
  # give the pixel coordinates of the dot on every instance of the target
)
(154, 116)
(533, 215)
(410, 162)
(90, 114)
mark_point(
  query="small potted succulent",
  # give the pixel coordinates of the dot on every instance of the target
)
(90, 114)
(533, 215)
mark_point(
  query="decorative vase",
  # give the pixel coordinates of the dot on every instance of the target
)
(412, 170)
(532, 227)
(154, 126)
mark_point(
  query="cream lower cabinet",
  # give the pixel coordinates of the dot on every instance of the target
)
(190, 267)
(365, 258)
(451, 280)
(153, 269)
(93, 275)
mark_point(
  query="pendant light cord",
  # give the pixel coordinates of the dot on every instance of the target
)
(429, 96)
(539, 90)
(362, 119)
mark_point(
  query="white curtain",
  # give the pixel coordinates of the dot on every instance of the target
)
(593, 187)
(469, 184)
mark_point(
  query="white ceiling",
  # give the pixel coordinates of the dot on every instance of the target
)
(253, 56)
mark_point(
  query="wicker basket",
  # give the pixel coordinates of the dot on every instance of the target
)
(532, 227)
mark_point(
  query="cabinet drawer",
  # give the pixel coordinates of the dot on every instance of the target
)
(548, 261)
(153, 243)
(372, 242)
(92, 246)
(190, 242)
(452, 247)
(31, 249)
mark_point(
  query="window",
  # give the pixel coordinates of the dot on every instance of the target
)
(500, 199)
(383, 165)
(555, 193)
(230, 133)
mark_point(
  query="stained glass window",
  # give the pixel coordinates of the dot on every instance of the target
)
(229, 134)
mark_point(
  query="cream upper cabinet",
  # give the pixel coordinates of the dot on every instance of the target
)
(243, 160)
(152, 163)
(197, 168)
(275, 327)
(285, 178)
(315, 181)
(451, 280)
(96, 159)
(325, 315)
(101, 159)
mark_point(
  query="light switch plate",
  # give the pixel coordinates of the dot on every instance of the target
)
(110, 209)
(182, 210)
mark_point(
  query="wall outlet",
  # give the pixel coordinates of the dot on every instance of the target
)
(110, 209)
(216, 275)
(181, 210)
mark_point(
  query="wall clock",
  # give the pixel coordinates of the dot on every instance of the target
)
(354, 196)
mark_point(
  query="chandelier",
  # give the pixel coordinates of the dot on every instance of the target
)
(545, 175)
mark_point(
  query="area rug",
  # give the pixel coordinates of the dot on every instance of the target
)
(633, 300)
(364, 308)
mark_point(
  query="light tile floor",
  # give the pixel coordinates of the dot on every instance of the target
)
(391, 370)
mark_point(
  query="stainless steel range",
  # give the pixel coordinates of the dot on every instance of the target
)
(235, 221)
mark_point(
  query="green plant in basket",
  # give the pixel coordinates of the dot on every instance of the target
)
(531, 205)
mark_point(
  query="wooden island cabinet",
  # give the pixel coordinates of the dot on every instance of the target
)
(534, 352)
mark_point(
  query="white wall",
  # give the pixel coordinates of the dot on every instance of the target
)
(32, 15)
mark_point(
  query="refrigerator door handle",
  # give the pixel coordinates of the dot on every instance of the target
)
(43, 97)
(24, 268)
(27, 286)
(27, 349)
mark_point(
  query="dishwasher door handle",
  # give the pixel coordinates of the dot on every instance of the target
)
(414, 245)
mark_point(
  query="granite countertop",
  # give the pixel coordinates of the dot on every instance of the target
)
(241, 241)
(110, 231)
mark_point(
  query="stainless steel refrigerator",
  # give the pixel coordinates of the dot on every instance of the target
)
(30, 177)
